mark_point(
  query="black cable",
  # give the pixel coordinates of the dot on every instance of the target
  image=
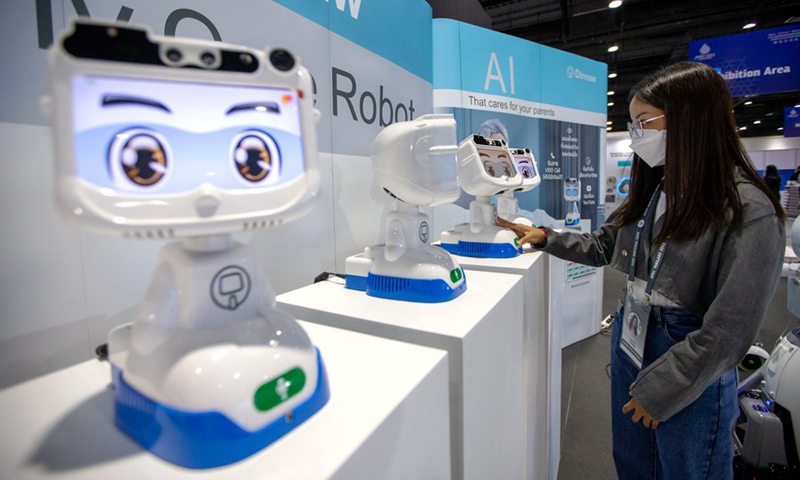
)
(324, 276)
(102, 352)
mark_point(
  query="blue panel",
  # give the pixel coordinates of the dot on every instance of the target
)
(499, 64)
(446, 48)
(573, 81)
(791, 122)
(398, 30)
(764, 61)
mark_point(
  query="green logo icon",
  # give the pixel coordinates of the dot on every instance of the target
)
(279, 389)
(456, 275)
(516, 242)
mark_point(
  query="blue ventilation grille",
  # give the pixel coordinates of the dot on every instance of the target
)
(433, 290)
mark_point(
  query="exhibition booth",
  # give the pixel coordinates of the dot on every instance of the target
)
(333, 299)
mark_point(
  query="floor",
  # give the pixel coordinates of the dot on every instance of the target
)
(585, 398)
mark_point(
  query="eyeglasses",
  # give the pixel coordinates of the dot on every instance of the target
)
(636, 128)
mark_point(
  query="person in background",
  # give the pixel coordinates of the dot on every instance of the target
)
(795, 175)
(701, 239)
(773, 181)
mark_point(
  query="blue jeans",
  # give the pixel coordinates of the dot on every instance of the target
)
(695, 443)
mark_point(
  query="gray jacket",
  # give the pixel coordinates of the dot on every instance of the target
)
(728, 276)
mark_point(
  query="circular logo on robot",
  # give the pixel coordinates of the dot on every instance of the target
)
(230, 287)
(571, 71)
(640, 224)
(634, 325)
(423, 232)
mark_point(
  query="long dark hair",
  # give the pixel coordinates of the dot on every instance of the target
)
(702, 157)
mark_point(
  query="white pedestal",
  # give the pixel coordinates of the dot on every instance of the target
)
(482, 333)
(542, 359)
(387, 417)
(576, 296)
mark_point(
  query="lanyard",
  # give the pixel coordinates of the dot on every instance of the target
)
(651, 278)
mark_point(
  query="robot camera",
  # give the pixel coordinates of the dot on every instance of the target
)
(281, 59)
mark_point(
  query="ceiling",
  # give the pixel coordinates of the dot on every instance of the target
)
(651, 34)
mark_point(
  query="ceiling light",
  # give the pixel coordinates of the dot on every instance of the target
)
(797, 106)
(613, 48)
(770, 114)
(757, 122)
(609, 122)
(608, 129)
(610, 104)
(749, 25)
(780, 128)
(743, 128)
(749, 102)
(612, 75)
(610, 92)
(614, 4)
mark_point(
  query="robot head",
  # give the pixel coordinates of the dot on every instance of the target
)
(572, 189)
(414, 161)
(526, 165)
(486, 166)
(150, 148)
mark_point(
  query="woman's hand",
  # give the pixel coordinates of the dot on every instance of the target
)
(640, 413)
(525, 233)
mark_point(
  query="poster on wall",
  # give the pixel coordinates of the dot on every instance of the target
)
(534, 97)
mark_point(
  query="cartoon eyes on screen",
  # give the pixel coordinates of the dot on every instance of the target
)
(139, 155)
(253, 154)
(142, 158)
(497, 164)
(526, 169)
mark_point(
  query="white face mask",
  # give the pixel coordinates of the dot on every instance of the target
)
(652, 147)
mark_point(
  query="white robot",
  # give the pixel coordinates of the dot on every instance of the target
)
(507, 203)
(414, 163)
(485, 167)
(767, 435)
(572, 194)
(159, 137)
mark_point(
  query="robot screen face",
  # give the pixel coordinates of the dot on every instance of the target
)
(157, 137)
(496, 162)
(572, 189)
(526, 167)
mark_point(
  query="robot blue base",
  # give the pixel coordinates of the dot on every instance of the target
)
(482, 250)
(205, 439)
(406, 289)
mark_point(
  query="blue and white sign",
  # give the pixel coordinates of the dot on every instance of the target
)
(765, 61)
(791, 122)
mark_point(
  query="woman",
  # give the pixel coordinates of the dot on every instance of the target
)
(711, 244)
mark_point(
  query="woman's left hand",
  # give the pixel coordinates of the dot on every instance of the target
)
(640, 413)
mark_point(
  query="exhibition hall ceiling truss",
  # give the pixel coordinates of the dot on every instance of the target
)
(649, 34)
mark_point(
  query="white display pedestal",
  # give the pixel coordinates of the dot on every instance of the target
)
(482, 332)
(542, 359)
(576, 296)
(387, 417)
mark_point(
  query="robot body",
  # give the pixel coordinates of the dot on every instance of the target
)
(209, 372)
(414, 164)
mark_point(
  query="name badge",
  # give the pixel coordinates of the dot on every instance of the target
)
(634, 328)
